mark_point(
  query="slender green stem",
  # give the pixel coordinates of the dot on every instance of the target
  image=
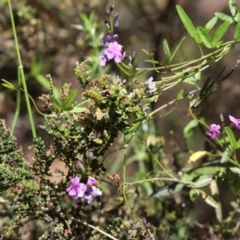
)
(124, 173)
(18, 102)
(21, 72)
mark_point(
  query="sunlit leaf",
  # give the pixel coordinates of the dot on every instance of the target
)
(211, 23)
(208, 199)
(235, 170)
(8, 85)
(233, 7)
(206, 39)
(224, 17)
(187, 22)
(219, 33)
(237, 32)
(197, 156)
(203, 181)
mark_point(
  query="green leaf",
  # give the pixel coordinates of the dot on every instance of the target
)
(77, 110)
(224, 17)
(235, 170)
(203, 181)
(238, 144)
(237, 32)
(152, 61)
(211, 170)
(219, 33)
(8, 85)
(189, 128)
(166, 51)
(140, 73)
(211, 23)
(180, 94)
(193, 195)
(188, 23)
(225, 156)
(131, 129)
(233, 7)
(176, 49)
(194, 79)
(231, 137)
(72, 96)
(206, 39)
(145, 51)
(57, 104)
(169, 190)
(195, 102)
(208, 199)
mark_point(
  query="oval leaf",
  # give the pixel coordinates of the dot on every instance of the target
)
(196, 156)
(219, 33)
(206, 39)
(211, 23)
(188, 130)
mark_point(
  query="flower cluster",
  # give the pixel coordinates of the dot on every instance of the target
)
(113, 51)
(214, 130)
(81, 190)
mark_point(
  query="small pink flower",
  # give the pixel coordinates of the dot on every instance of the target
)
(92, 181)
(114, 51)
(235, 121)
(214, 131)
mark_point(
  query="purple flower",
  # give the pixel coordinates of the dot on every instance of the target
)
(114, 51)
(214, 131)
(116, 24)
(76, 188)
(91, 192)
(79, 190)
(91, 181)
(235, 121)
(150, 86)
(108, 39)
(148, 225)
(103, 59)
(79, 165)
